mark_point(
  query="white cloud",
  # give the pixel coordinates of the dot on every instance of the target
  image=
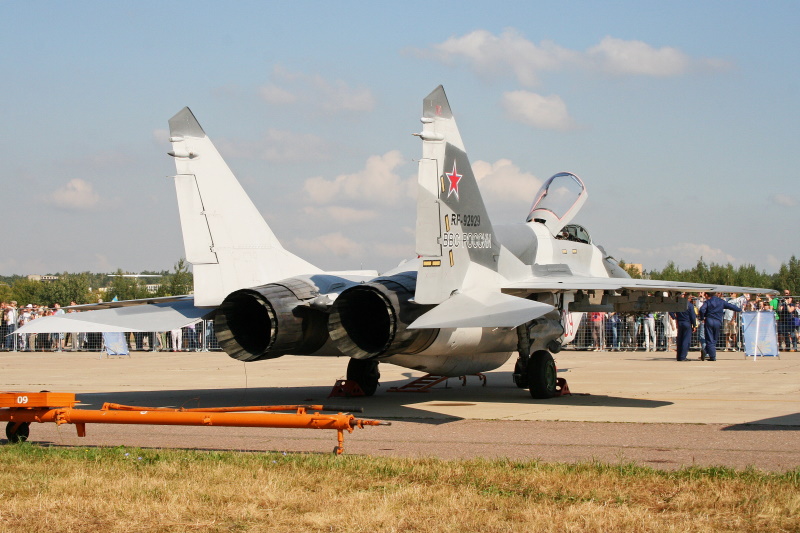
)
(315, 91)
(378, 182)
(617, 56)
(684, 254)
(509, 53)
(785, 200)
(76, 195)
(544, 112)
(333, 243)
(275, 95)
(488, 54)
(343, 215)
(504, 181)
(278, 146)
(320, 190)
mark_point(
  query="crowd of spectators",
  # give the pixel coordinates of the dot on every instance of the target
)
(600, 331)
(194, 337)
(657, 331)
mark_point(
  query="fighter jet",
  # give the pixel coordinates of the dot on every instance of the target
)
(475, 295)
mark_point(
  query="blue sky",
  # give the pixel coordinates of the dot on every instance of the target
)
(681, 118)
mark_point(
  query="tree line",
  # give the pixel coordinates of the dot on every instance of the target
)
(787, 276)
(87, 287)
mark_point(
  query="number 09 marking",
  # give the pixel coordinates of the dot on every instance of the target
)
(22, 399)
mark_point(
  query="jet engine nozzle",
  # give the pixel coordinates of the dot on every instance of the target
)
(371, 319)
(270, 321)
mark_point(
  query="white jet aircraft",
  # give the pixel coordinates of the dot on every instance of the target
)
(476, 294)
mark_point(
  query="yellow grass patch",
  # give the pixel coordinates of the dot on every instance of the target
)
(127, 489)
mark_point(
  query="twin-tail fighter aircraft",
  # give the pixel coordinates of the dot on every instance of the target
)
(475, 295)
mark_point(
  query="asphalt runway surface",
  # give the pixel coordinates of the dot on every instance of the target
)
(640, 407)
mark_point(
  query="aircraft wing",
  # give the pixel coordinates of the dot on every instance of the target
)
(567, 283)
(481, 308)
(155, 317)
(128, 303)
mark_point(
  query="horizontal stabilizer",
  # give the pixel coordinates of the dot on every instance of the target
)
(482, 309)
(158, 317)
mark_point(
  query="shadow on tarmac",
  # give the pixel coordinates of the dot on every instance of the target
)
(419, 407)
(777, 423)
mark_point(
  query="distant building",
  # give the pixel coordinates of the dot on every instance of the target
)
(37, 277)
(634, 267)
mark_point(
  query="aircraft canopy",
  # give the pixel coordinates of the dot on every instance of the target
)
(558, 201)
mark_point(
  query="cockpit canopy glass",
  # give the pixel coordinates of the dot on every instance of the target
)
(574, 233)
(558, 201)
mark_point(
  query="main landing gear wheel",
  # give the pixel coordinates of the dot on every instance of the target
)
(17, 431)
(542, 375)
(365, 373)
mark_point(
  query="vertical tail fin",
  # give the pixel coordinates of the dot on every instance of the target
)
(225, 238)
(454, 233)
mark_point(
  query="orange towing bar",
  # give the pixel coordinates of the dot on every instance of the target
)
(20, 409)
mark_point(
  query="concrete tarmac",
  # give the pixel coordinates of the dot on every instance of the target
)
(641, 407)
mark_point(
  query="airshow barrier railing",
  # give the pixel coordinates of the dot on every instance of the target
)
(658, 331)
(198, 337)
(596, 331)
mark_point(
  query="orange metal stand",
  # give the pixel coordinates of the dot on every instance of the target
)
(19, 409)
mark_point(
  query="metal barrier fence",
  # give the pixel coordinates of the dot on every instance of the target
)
(657, 332)
(626, 332)
(198, 337)
(609, 331)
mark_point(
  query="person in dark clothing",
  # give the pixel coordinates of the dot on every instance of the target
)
(787, 312)
(711, 314)
(687, 323)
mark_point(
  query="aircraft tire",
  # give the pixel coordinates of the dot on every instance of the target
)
(542, 375)
(364, 372)
(18, 435)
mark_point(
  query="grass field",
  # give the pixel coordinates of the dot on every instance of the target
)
(126, 489)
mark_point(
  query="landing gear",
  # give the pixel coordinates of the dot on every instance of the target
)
(17, 431)
(541, 375)
(537, 371)
(521, 373)
(365, 373)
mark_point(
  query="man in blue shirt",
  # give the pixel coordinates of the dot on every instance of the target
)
(687, 322)
(711, 313)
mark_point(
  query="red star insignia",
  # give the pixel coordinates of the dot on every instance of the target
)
(454, 178)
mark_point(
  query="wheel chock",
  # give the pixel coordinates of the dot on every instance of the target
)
(346, 388)
(562, 389)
